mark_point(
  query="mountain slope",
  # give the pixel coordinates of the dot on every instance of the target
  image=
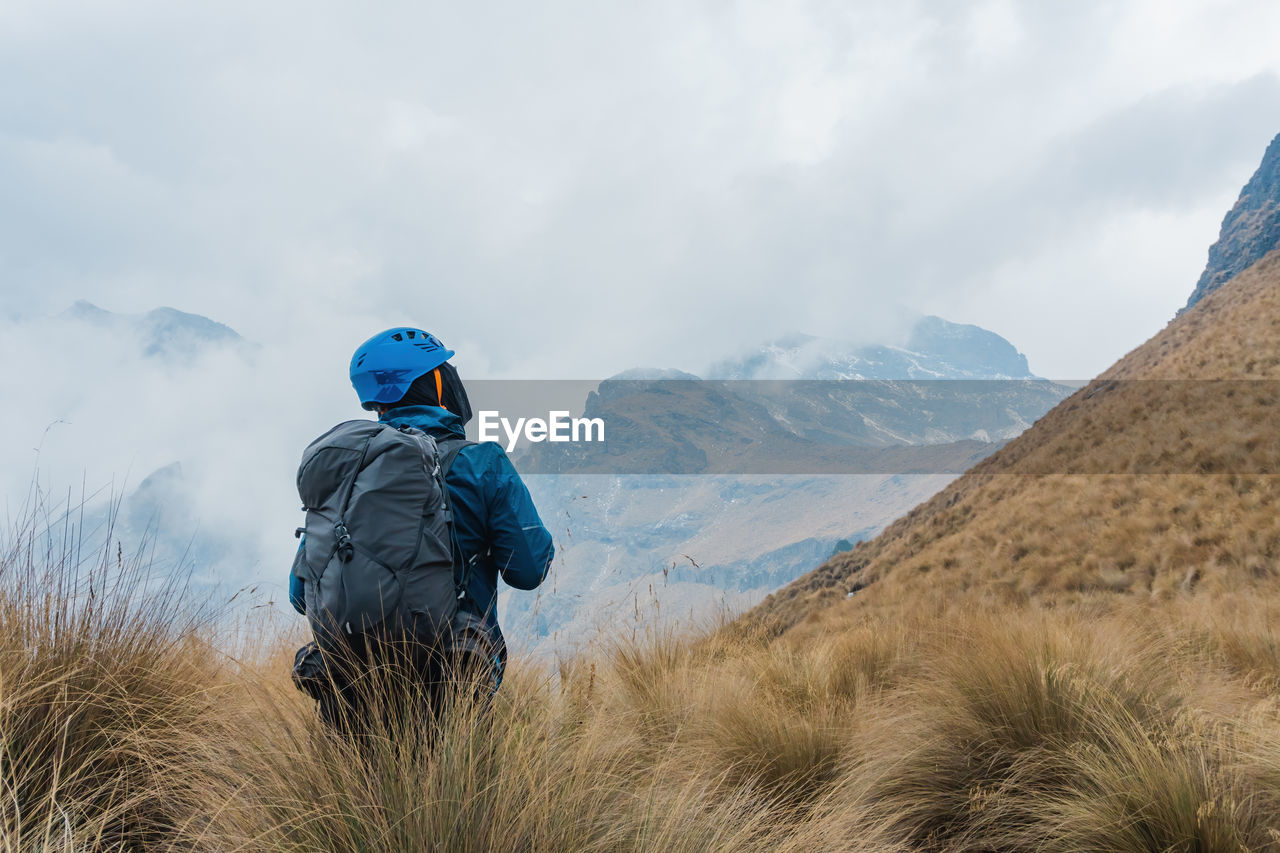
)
(1154, 480)
(796, 426)
(1250, 230)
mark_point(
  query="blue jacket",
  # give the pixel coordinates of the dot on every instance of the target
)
(493, 516)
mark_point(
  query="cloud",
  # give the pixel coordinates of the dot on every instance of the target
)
(561, 191)
(93, 412)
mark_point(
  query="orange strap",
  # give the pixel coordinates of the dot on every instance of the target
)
(439, 389)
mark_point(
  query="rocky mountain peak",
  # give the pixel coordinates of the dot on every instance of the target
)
(1250, 230)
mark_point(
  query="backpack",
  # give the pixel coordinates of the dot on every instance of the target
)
(379, 552)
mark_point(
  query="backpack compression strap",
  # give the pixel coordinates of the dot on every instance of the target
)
(342, 538)
(461, 566)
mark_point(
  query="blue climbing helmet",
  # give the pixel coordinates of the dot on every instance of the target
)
(384, 366)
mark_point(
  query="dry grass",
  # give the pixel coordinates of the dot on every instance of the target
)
(1156, 480)
(102, 680)
(1148, 728)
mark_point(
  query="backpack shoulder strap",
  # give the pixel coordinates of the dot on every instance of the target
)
(449, 450)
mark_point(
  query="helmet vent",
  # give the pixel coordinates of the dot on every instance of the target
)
(397, 336)
(360, 360)
(410, 334)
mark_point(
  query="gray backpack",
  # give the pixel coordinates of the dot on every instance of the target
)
(378, 552)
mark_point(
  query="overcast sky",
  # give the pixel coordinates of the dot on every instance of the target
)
(570, 189)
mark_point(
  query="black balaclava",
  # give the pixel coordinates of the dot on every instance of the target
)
(452, 395)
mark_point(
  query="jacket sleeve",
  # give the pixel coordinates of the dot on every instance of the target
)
(296, 594)
(519, 544)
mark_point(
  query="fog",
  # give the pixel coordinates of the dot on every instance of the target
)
(565, 191)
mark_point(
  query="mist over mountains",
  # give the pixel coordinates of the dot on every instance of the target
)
(159, 333)
(934, 349)
(218, 499)
(150, 421)
(709, 493)
(797, 404)
(173, 429)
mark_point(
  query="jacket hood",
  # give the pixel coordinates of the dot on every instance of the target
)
(439, 387)
(432, 420)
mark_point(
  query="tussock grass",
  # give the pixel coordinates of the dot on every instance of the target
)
(103, 678)
(1141, 728)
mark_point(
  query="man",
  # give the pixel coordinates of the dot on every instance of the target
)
(404, 374)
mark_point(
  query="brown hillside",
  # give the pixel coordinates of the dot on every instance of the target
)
(1154, 481)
